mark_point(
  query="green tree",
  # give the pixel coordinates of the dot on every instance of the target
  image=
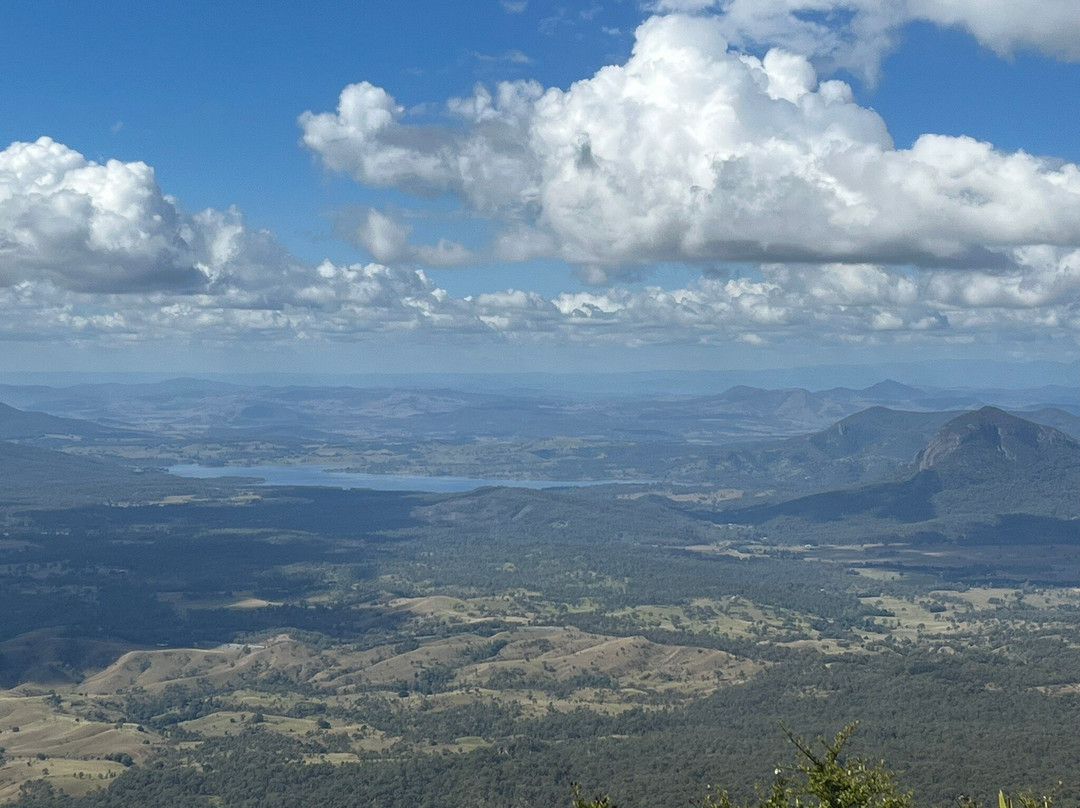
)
(820, 778)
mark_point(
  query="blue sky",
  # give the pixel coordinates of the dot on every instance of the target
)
(693, 205)
(208, 93)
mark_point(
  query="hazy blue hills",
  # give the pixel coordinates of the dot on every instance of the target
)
(31, 475)
(196, 407)
(981, 471)
(18, 425)
(787, 440)
(989, 461)
(988, 443)
(884, 392)
(860, 448)
(1067, 422)
(894, 434)
(26, 469)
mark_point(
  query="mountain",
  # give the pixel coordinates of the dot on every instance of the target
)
(23, 467)
(739, 413)
(895, 434)
(863, 447)
(193, 409)
(991, 462)
(890, 390)
(985, 475)
(30, 475)
(794, 402)
(22, 425)
(989, 444)
(1058, 418)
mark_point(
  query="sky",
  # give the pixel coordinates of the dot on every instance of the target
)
(515, 185)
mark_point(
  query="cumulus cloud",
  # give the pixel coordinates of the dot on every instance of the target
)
(387, 239)
(328, 302)
(856, 34)
(481, 159)
(78, 225)
(88, 226)
(844, 303)
(692, 151)
(1007, 26)
(102, 248)
(99, 253)
(841, 304)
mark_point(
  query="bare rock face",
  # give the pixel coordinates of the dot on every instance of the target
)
(980, 441)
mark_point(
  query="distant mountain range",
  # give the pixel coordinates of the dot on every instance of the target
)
(31, 467)
(230, 412)
(750, 437)
(985, 475)
(967, 476)
(33, 473)
(924, 373)
(866, 446)
(22, 425)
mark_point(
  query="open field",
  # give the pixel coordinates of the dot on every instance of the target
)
(56, 738)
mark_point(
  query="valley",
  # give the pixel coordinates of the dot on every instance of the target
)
(916, 571)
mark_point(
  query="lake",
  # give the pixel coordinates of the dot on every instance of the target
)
(324, 476)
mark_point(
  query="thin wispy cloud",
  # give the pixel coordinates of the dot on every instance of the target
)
(512, 56)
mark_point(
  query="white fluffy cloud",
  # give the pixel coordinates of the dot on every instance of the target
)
(482, 162)
(88, 226)
(692, 151)
(98, 253)
(1006, 26)
(79, 225)
(101, 249)
(845, 303)
(838, 304)
(856, 34)
(387, 239)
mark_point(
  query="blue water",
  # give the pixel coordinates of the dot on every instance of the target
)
(320, 475)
